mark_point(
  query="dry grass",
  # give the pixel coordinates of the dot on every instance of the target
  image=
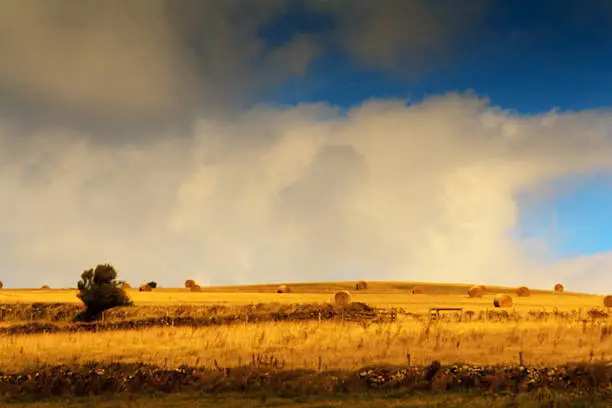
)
(340, 345)
(299, 344)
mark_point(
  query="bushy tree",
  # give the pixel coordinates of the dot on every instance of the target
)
(152, 284)
(99, 290)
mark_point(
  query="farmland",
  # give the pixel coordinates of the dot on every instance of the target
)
(230, 331)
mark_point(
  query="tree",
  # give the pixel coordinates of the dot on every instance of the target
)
(99, 290)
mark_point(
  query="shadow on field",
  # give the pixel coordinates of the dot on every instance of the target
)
(571, 381)
(42, 317)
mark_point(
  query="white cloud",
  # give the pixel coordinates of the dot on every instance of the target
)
(425, 192)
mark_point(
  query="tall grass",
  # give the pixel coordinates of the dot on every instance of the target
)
(338, 345)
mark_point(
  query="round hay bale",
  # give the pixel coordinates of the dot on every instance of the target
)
(523, 291)
(145, 288)
(502, 300)
(45, 287)
(361, 285)
(189, 283)
(283, 289)
(418, 290)
(195, 288)
(475, 291)
(1, 285)
(482, 287)
(559, 288)
(342, 298)
(607, 300)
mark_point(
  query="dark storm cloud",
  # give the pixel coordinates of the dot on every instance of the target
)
(104, 64)
(407, 37)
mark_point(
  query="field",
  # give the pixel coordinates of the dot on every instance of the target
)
(224, 331)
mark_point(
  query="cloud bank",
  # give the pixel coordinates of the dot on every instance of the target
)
(390, 191)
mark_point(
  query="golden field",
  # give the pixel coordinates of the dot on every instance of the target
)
(378, 294)
(299, 345)
(332, 344)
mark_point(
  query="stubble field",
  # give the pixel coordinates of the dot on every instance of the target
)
(233, 328)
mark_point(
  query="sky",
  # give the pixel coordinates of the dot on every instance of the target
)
(238, 142)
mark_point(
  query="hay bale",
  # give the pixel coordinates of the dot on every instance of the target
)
(607, 300)
(283, 289)
(195, 288)
(1, 285)
(502, 300)
(559, 288)
(361, 285)
(126, 285)
(45, 287)
(482, 287)
(418, 290)
(145, 288)
(475, 291)
(189, 283)
(523, 291)
(342, 298)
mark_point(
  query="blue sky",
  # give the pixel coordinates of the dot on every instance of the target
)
(532, 58)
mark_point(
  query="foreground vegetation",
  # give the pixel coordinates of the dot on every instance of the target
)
(548, 385)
